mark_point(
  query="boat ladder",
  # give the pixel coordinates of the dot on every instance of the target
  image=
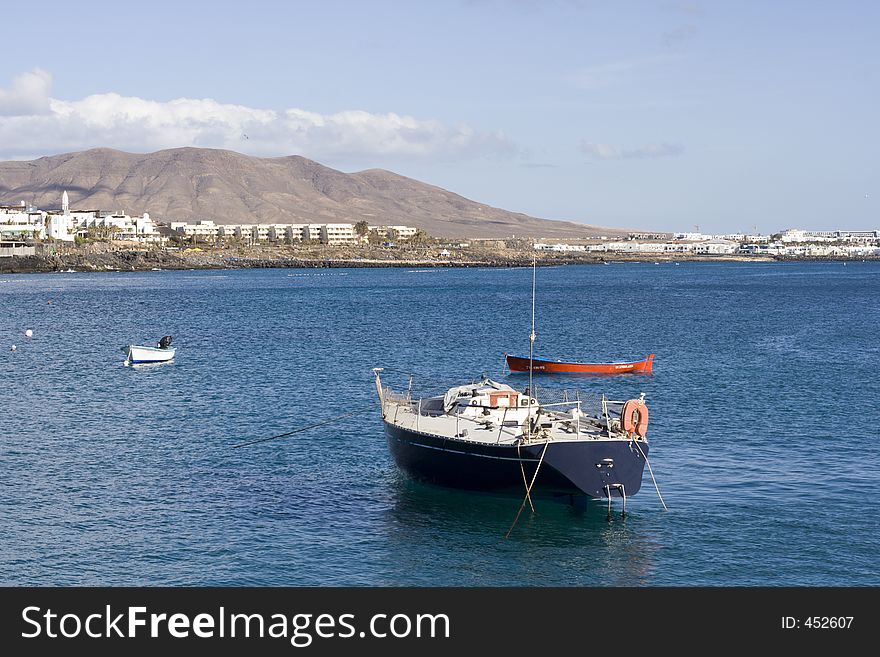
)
(622, 489)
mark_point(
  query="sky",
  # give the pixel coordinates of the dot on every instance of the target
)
(665, 115)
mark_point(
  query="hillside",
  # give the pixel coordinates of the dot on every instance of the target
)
(185, 184)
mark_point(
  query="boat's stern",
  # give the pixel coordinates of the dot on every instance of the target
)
(598, 468)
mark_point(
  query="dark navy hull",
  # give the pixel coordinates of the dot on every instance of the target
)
(577, 467)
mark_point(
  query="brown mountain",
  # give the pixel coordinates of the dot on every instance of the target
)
(186, 184)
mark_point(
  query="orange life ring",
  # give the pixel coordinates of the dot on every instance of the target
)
(634, 417)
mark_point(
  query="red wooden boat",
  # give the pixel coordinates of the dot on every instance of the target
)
(541, 366)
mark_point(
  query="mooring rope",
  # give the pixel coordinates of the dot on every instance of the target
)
(306, 428)
(528, 490)
(525, 482)
(656, 487)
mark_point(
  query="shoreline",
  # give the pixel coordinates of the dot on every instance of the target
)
(139, 260)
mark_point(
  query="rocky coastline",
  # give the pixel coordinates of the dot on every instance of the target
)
(110, 258)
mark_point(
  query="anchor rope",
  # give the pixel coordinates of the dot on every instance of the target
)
(306, 428)
(528, 490)
(656, 487)
(525, 482)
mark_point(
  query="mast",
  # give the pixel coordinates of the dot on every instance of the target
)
(532, 337)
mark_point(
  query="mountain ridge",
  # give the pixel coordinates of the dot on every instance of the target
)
(189, 183)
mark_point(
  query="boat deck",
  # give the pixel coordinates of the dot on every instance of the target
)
(493, 430)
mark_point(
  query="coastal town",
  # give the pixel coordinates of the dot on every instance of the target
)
(30, 232)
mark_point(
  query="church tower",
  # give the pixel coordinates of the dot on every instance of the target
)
(65, 203)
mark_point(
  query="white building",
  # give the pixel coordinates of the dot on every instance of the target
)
(403, 233)
(707, 247)
(60, 226)
(560, 247)
(333, 234)
(21, 222)
(285, 232)
(859, 235)
(261, 231)
(716, 247)
(797, 235)
(226, 230)
(202, 229)
(631, 247)
(145, 230)
(10, 230)
(118, 226)
(67, 224)
(313, 232)
(691, 237)
(248, 233)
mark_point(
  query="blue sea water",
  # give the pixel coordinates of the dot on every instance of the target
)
(764, 419)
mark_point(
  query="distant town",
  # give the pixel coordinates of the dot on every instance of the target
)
(791, 242)
(28, 231)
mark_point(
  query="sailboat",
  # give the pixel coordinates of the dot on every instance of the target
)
(486, 435)
(520, 364)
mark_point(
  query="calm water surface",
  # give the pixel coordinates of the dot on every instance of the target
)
(764, 414)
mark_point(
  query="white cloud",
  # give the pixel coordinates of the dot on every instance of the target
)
(33, 122)
(608, 152)
(28, 95)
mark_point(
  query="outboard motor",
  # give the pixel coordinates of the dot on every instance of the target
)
(165, 342)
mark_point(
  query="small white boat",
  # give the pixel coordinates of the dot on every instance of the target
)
(162, 353)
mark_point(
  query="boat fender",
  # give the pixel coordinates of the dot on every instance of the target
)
(634, 417)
